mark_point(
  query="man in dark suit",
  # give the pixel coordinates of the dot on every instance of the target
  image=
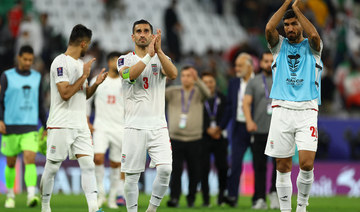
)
(239, 137)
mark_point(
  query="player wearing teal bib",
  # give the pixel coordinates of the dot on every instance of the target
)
(21, 106)
(296, 94)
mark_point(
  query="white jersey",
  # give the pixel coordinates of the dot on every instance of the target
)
(71, 113)
(109, 105)
(144, 101)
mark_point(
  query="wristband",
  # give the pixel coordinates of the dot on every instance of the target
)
(146, 59)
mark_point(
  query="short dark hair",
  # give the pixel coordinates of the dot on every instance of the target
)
(289, 14)
(264, 53)
(208, 73)
(186, 67)
(78, 34)
(26, 49)
(142, 21)
(112, 55)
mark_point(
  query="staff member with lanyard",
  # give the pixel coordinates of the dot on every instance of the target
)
(185, 117)
(213, 142)
(258, 123)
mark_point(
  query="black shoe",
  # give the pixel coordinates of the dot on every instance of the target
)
(231, 201)
(206, 205)
(173, 203)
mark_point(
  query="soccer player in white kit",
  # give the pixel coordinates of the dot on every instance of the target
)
(68, 131)
(108, 130)
(144, 73)
(296, 93)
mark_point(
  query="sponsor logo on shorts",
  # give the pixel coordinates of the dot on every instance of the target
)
(272, 144)
(123, 158)
(53, 149)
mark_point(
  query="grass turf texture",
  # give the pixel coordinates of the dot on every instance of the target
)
(77, 203)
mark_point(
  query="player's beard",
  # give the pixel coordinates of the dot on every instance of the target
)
(143, 45)
(293, 36)
(82, 53)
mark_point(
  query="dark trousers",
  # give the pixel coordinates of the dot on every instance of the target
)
(240, 141)
(260, 167)
(190, 153)
(219, 149)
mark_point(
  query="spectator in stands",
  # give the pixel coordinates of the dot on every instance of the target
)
(30, 34)
(6, 46)
(173, 28)
(185, 117)
(213, 141)
(348, 81)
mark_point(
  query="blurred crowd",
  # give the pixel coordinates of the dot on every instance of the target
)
(338, 22)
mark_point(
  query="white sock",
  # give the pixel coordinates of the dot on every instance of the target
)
(284, 190)
(161, 184)
(120, 191)
(10, 193)
(114, 183)
(31, 191)
(88, 181)
(47, 180)
(131, 191)
(304, 182)
(99, 174)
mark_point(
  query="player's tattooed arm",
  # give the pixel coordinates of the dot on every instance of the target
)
(309, 28)
(168, 68)
(272, 35)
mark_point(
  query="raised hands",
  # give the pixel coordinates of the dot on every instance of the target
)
(151, 49)
(296, 3)
(158, 41)
(101, 77)
(87, 68)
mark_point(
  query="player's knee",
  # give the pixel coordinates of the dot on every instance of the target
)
(52, 167)
(99, 159)
(131, 178)
(306, 165)
(86, 164)
(283, 165)
(164, 170)
(114, 165)
(11, 161)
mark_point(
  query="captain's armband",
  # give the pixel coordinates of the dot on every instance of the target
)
(126, 76)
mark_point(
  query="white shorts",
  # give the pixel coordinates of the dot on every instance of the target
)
(68, 142)
(135, 144)
(289, 127)
(109, 140)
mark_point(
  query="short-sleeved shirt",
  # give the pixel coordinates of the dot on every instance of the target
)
(144, 101)
(109, 105)
(256, 89)
(70, 113)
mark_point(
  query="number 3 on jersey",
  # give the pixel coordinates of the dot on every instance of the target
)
(146, 82)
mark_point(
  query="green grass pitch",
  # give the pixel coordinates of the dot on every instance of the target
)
(77, 203)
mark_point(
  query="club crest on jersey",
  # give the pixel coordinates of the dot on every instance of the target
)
(154, 69)
(60, 71)
(120, 61)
